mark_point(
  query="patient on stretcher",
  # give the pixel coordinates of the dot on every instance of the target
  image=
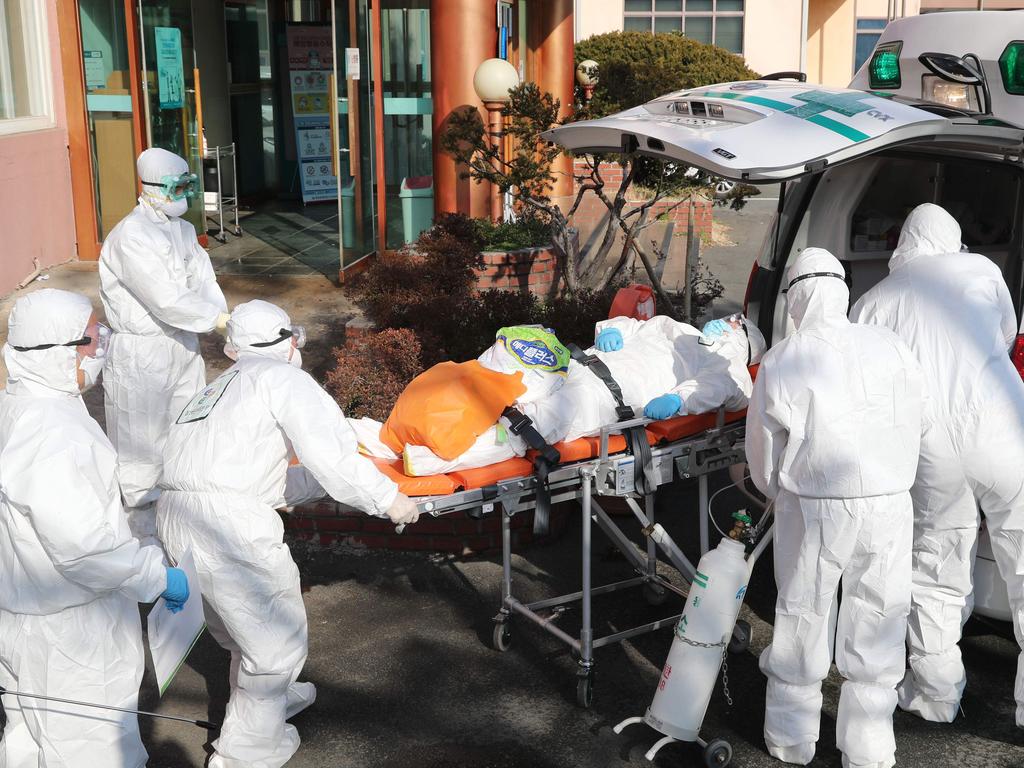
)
(564, 397)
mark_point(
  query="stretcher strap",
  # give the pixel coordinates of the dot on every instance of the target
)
(547, 457)
(644, 478)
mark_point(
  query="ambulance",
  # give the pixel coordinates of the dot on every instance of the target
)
(935, 115)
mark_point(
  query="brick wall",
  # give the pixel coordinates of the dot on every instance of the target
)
(592, 211)
(327, 522)
(532, 269)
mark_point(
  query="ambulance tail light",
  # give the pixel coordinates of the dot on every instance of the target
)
(1017, 355)
(750, 285)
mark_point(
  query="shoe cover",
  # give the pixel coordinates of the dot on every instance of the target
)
(798, 754)
(915, 702)
(882, 764)
(300, 697)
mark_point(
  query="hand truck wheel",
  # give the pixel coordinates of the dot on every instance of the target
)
(718, 754)
(740, 640)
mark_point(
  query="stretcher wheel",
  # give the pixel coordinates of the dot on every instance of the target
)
(718, 754)
(501, 639)
(655, 594)
(740, 640)
(585, 691)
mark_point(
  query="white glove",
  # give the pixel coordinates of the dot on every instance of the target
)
(222, 323)
(403, 511)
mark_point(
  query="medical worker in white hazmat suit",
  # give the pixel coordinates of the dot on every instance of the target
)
(834, 430)
(225, 475)
(71, 575)
(955, 313)
(159, 291)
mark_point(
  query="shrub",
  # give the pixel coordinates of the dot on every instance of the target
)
(573, 315)
(371, 371)
(636, 67)
(525, 232)
(418, 287)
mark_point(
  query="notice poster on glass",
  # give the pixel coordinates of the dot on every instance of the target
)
(170, 73)
(310, 61)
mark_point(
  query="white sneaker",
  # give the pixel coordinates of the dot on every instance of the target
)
(300, 696)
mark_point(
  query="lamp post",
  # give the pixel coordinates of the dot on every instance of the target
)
(586, 76)
(492, 81)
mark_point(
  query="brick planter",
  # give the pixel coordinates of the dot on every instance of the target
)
(533, 270)
(327, 522)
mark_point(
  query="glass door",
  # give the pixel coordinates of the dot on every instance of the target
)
(169, 86)
(109, 109)
(353, 130)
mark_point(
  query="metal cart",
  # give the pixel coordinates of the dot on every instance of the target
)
(224, 204)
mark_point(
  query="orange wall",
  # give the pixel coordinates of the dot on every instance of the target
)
(36, 209)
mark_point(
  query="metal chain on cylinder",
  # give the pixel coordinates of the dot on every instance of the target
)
(723, 644)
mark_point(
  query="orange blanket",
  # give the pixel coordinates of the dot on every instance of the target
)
(447, 407)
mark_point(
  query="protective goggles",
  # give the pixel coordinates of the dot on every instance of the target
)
(177, 187)
(85, 341)
(296, 332)
(809, 275)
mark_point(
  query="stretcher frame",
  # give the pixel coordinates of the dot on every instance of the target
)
(608, 474)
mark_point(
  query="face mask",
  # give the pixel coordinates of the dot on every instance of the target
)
(174, 208)
(296, 358)
(91, 368)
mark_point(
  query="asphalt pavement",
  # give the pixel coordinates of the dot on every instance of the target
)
(400, 652)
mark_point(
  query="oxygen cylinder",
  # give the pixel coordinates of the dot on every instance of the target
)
(690, 672)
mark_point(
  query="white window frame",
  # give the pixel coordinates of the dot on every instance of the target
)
(40, 80)
(683, 15)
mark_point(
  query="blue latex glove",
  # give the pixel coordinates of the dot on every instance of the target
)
(715, 328)
(176, 593)
(609, 340)
(664, 407)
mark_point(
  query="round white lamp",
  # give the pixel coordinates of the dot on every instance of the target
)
(586, 76)
(492, 81)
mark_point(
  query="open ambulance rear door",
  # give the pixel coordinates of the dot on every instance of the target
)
(770, 131)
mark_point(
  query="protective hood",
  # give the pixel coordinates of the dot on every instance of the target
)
(153, 164)
(817, 289)
(259, 322)
(928, 231)
(744, 345)
(45, 317)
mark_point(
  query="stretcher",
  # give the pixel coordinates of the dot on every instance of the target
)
(684, 447)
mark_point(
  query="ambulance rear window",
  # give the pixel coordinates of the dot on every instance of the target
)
(982, 196)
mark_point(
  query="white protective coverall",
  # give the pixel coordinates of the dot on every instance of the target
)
(955, 313)
(71, 573)
(659, 356)
(225, 473)
(834, 430)
(158, 291)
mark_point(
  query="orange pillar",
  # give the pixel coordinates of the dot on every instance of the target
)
(555, 70)
(463, 33)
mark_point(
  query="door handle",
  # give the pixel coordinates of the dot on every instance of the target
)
(333, 116)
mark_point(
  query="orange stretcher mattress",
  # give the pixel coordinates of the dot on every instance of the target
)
(582, 449)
